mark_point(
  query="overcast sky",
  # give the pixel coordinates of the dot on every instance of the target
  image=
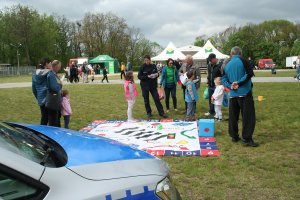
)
(179, 21)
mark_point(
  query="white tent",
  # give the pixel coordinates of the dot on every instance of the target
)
(169, 52)
(207, 49)
(189, 48)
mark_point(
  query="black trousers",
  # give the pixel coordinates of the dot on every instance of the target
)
(245, 106)
(153, 90)
(171, 90)
(183, 90)
(49, 117)
(122, 74)
(105, 77)
(211, 106)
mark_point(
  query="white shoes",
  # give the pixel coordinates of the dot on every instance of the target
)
(207, 114)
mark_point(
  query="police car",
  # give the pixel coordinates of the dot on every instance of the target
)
(43, 162)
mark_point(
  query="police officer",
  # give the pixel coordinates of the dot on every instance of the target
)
(148, 80)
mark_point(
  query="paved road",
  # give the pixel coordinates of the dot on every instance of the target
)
(254, 79)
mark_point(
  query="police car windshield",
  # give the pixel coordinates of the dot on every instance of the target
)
(24, 144)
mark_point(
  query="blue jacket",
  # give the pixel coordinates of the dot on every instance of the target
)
(192, 95)
(236, 71)
(163, 78)
(40, 80)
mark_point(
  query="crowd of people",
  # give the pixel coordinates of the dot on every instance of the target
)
(233, 75)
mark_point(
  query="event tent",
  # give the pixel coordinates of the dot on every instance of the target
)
(106, 61)
(169, 52)
(207, 49)
(190, 49)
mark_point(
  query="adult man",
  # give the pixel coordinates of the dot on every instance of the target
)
(213, 71)
(186, 67)
(237, 76)
(122, 70)
(148, 75)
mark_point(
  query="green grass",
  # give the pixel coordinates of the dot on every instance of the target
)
(270, 171)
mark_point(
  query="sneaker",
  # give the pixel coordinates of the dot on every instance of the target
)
(168, 110)
(175, 110)
(219, 120)
(250, 143)
(235, 139)
(207, 114)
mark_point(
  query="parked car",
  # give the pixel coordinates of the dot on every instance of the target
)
(265, 63)
(43, 162)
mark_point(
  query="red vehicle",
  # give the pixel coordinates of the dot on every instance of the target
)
(265, 63)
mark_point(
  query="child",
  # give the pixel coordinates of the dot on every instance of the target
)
(130, 94)
(191, 96)
(66, 110)
(217, 98)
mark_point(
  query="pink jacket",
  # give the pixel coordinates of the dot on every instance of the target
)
(65, 107)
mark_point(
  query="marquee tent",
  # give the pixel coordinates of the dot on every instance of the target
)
(169, 52)
(207, 49)
(106, 61)
(190, 49)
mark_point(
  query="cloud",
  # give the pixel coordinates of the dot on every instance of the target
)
(179, 21)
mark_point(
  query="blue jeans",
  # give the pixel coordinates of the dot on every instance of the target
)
(191, 107)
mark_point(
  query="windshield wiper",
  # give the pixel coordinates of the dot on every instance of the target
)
(46, 156)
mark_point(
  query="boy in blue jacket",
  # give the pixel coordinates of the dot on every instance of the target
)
(191, 96)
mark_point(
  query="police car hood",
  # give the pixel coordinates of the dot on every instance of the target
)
(88, 153)
(122, 169)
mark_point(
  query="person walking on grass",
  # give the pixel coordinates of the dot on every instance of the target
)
(66, 110)
(105, 75)
(169, 78)
(130, 94)
(237, 76)
(191, 96)
(148, 80)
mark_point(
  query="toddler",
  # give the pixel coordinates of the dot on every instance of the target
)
(130, 94)
(66, 110)
(217, 98)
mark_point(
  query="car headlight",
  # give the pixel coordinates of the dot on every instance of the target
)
(166, 190)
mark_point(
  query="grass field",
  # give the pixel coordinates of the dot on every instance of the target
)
(270, 171)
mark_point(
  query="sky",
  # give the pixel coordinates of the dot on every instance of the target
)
(179, 21)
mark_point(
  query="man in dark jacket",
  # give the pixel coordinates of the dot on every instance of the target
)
(148, 80)
(237, 76)
(213, 71)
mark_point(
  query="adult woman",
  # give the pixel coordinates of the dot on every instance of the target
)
(148, 80)
(39, 87)
(169, 78)
(45, 78)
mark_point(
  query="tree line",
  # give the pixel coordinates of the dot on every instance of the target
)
(276, 39)
(32, 36)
